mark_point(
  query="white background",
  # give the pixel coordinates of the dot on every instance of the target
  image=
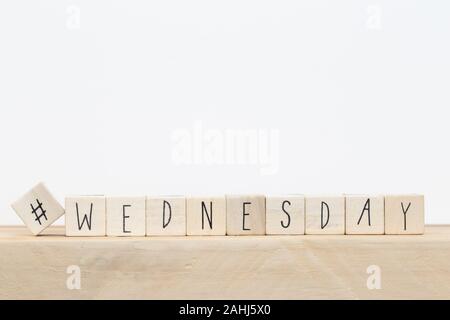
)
(91, 93)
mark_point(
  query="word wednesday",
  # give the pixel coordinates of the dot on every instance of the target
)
(232, 215)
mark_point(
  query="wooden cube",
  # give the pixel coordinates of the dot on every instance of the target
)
(38, 209)
(285, 214)
(404, 214)
(246, 215)
(325, 214)
(86, 216)
(206, 216)
(166, 216)
(125, 216)
(364, 214)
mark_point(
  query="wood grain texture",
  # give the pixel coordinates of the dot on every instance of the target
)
(253, 267)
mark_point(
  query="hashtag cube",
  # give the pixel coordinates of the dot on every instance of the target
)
(38, 209)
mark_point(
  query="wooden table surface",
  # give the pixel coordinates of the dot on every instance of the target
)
(245, 267)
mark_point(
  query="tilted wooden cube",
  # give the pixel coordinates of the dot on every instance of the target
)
(246, 215)
(404, 214)
(125, 216)
(364, 214)
(325, 214)
(206, 216)
(166, 216)
(38, 209)
(86, 216)
(285, 214)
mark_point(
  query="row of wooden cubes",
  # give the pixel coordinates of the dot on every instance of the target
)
(234, 215)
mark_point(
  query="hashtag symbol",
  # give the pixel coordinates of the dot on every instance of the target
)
(35, 211)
